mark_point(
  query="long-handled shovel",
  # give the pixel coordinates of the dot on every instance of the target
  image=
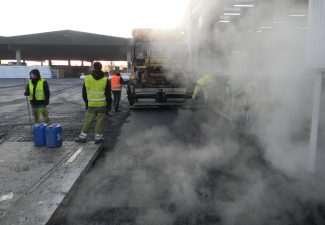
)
(30, 120)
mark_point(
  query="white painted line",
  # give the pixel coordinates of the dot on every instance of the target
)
(6, 197)
(74, 156)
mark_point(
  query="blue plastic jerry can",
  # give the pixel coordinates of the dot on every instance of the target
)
(39, 134)
(53, 136)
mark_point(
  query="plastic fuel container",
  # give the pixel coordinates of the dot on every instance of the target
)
(39, 134)
(53, 136)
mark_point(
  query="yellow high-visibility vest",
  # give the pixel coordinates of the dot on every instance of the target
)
(39, 91)
(96, 91)
(203, 84)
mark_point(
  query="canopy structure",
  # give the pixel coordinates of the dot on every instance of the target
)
(64, 45)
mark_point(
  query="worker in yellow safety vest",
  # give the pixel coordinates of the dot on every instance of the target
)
(204, 88)
(38, 94)
(96, 93)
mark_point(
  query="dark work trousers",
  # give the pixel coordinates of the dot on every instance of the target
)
(117, 98)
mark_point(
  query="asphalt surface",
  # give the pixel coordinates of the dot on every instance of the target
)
(184, 167)
(66, 108)
(168, 166)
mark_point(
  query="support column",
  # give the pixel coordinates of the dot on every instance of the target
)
(193, 44)
(315, 123)
(69, 63)
(128, 56)
(82, 63)
(316, 62)
(18, 56)
(50, 62)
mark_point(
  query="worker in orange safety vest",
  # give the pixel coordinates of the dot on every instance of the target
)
(116, 85)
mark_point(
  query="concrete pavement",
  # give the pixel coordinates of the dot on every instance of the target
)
(34, 181)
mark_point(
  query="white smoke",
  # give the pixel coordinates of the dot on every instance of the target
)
(263, 53)
(198, 170)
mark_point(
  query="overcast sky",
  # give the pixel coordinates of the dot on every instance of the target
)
(109, 17)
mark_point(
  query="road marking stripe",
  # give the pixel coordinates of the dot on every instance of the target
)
(6, 197)
(74, 156)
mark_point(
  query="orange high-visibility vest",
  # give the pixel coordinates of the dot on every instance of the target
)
(116, 83)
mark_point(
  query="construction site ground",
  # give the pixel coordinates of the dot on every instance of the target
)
(66, 108)
(164, 166)
(35, 180)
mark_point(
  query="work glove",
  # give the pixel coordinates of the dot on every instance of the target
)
(46, 103)
(25, 93)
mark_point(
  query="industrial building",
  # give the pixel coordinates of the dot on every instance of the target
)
(60, 45)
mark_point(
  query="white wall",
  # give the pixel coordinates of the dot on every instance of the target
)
(23, 71)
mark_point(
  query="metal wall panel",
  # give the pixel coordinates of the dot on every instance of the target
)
(316, 35)
(23, 71)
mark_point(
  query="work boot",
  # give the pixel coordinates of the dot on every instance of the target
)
(80, 140)
(98, 138)
(98, 141)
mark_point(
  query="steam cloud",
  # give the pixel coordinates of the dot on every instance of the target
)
(198, 171)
